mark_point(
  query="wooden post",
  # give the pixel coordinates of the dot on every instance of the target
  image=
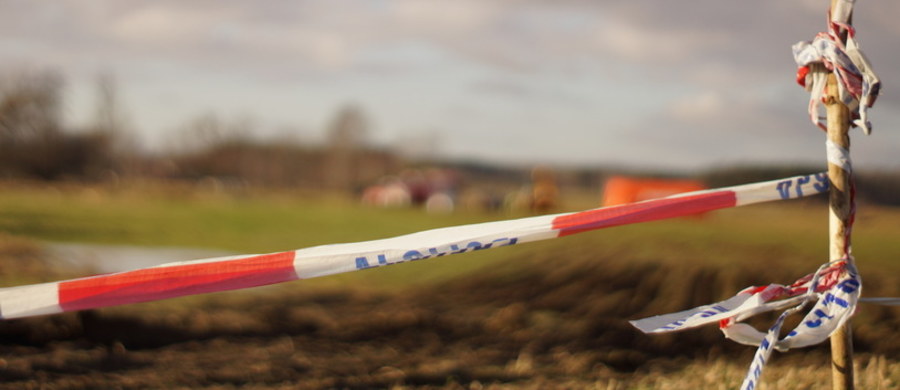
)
(838, 125)
(839, 215)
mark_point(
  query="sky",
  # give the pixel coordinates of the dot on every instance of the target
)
(681, 85)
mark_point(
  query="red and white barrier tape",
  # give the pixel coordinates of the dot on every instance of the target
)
(836, 286)
(221, 274)
(858, 86)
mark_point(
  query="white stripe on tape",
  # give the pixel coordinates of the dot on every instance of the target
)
(33, 300)
(838, 155)
(333, 259)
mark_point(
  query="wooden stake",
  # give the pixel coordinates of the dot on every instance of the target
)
(838, 118)
(838, 125)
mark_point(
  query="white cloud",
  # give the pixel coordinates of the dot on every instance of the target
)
(699, 107)
(639, 43)
(445, 16)
(160, 24)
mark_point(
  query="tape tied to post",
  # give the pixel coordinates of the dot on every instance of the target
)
(835, 288)
(858, 85)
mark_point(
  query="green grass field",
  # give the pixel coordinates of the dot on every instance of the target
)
(658, 266)
(793, 234)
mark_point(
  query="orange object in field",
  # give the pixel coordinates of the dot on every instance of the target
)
(623, 189)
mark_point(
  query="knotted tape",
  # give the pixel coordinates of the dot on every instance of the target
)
(858, 86)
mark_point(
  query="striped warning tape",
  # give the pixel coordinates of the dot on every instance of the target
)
(858, 85)
(230, 273)
(836, 286)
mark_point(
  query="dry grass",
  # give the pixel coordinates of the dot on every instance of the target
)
(872, 373)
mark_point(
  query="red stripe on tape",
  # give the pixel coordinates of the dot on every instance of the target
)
(175, 281)
(643, 212)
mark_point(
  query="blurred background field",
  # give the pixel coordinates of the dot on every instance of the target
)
(549, 314)
(134, 133)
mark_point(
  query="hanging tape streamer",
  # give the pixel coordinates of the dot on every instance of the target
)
(764, 352)
(221, 274)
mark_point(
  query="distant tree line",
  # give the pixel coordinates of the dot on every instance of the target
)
(35, 144)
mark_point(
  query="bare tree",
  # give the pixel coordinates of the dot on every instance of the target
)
(346, 137)
(30, 108)
(110, 124)
(33, 142)
(30, 129)
(108, 118)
